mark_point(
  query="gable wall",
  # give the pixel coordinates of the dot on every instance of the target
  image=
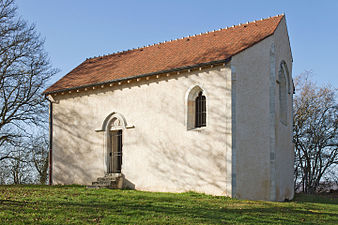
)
(159, 153)
(262, 145)
(251, 84)
(284, 188)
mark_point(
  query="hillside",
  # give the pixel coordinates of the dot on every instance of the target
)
(78, 205)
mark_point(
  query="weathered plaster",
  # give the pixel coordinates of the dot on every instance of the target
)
(159, 153)
(284, 157)
(272, 121)
(232, 154)
(262, 158)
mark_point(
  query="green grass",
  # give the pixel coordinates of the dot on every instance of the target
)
(78, 205)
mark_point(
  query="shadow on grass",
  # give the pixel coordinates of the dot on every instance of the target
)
(203, 213)
(130, 206)
(197, 207)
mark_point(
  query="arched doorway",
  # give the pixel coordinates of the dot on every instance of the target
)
(113, 127)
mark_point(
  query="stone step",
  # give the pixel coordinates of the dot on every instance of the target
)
(111, 181)
(106, 179)
(98, 186)
(104, 182)
(101, 185)
(112, 175)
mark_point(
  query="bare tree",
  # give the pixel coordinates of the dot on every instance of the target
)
(4, 172)
(40, 157)
(19, 168)
(28, 162)
(24, 71)
(315, 133)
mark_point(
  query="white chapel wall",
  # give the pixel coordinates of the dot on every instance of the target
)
(159, 153)
(252, 126)
(284, 146)
(264, 150)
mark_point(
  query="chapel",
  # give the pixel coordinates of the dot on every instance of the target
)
(210, 113)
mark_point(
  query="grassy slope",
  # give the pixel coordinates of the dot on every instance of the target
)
(76, 204)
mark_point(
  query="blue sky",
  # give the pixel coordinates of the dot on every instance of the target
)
(77, 29)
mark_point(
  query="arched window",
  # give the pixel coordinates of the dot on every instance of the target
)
(284, 90)
(196, 108)
(200, 111)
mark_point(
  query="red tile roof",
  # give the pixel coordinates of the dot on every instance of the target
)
(189, 51)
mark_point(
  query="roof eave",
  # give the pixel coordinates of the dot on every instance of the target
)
(140, 76)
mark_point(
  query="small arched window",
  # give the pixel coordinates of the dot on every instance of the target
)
(196, 103)
(200, 111)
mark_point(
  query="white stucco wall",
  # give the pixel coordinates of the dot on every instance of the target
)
(159, 153)
(252, 125)
(284, 147)
(263, 145)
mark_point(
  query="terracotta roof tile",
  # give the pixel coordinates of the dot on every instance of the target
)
(189, 51)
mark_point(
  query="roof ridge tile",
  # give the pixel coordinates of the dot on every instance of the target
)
(194, 35)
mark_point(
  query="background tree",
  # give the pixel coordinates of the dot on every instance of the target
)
(24, 72)
(315, 134)
(39, 157)
(28, 162)
(19, 168)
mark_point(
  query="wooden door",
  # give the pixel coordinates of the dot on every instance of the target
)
(117, 151)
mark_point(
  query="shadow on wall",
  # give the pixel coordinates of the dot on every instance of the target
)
(76, 163)
(202, 165)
